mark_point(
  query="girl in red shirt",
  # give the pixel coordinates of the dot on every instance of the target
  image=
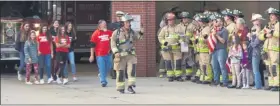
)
(62, 43)
(45, 53)
(100, 44)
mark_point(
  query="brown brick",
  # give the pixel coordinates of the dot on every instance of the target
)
(145, 49)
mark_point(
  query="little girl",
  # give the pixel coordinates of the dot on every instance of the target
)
(235, 55)
(31, 57)
(62, 43)
(245, 68)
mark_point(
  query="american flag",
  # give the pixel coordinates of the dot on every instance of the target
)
(228, 65)
(211, 42)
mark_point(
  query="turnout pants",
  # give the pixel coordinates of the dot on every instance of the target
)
(162, 69)
(125, 62)
(174, 57)
(205, 67)
(188, 62)
(272, 66)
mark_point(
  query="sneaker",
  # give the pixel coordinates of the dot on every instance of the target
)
(19, 76)
(58, 81)
(36, 82)
(246, 87)
(98, 75)
(121, 91)
(50, 80)
(103, 85)
(42, 81)
(254, 88)
(75, 79)
(28, 83)
(65, 81)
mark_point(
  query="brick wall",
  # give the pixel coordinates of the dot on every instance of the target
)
(146, 48)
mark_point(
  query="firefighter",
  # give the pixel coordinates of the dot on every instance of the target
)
(237, 14)
(122, 44)
(182, 29)
(194, 39)
(112, 27)
(162, 70)
(170, 41)
(204, 56)
(270, 36)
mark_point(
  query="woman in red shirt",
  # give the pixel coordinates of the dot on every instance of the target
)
(62, 43)
(45, 53)
(100, 44)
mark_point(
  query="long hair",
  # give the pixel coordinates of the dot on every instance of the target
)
(237, 40)
(29, 36)
(49, 37)
(73, 31)
(59, 32)
(52, 29)
(24, 33)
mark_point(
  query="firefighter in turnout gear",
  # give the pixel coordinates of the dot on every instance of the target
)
(204, 56)
(184, 30)
(112, 27)
(237, 14)
(122, 44)
(162, 70)
(270, 36)
(170, 41)
(195, 31)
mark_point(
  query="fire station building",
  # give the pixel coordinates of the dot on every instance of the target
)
(85, 15)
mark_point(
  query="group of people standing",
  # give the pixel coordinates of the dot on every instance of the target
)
(47, 51)
(219, 48)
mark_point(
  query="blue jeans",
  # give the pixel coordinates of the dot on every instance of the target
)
(104, 64)
(45, 64)
(257, 76)
(71, 58)
(219, 65)
(22, 62)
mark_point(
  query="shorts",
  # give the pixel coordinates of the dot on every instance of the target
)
(61, 56)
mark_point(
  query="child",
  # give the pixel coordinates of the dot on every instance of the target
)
(45, 53)
(235, 55)
(62, 43)
(245, 68)
(31, 57)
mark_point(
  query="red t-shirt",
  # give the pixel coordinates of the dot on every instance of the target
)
(102, 42)
(44, 44)
(63, 40)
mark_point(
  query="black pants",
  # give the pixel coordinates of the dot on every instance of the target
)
(61, 59)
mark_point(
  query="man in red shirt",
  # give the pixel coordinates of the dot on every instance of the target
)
(100, 44)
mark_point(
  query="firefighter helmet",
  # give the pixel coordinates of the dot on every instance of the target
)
(273, 11)
(126, 17)
(170, 16)
(227, 12)
(237, 13)
(185, 14)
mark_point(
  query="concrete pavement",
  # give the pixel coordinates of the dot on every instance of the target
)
(148, 91)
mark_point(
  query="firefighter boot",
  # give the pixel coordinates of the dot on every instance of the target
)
(196, 78)
(121, 91)
(180, 79)
(171, 79)
(274, 89)
(130, 90)
(188, 78)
